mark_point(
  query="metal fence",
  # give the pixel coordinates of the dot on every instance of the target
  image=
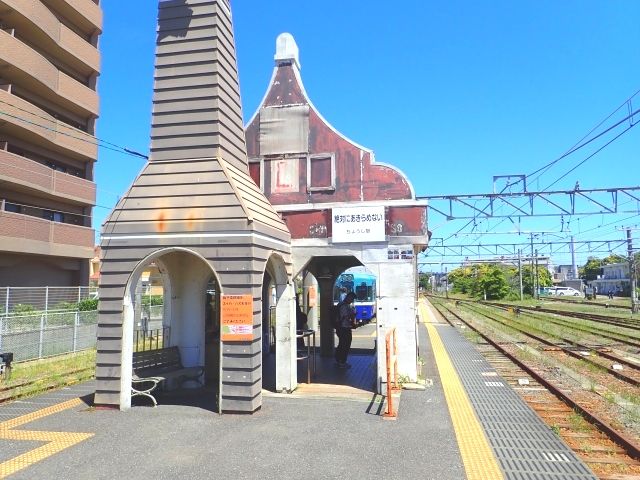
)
(42, 335)
(45, 321)
(24, 300)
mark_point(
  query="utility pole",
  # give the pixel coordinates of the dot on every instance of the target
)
(536, 286)
(446, 283)
(632, 273)
(520, 272)
(574, 266)
(533, 295)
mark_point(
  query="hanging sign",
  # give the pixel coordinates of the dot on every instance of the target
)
(236, 318)
(358, 224)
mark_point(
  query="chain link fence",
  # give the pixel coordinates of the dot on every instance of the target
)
(45, 321)
(37, 336)
(19, 300)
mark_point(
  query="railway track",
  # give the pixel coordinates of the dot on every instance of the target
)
(628, 340)
(586, 304)
(630, 323)
(575, 349)
(43, 384)
(608, 452)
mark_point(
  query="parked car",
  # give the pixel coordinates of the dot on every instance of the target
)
(564, 291)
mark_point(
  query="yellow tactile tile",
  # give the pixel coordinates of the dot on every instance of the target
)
(55, 441)
(478, 458)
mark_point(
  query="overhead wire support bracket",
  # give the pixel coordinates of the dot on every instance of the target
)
(551, 203)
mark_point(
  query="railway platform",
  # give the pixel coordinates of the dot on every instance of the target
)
(488, 416)
(466, 424)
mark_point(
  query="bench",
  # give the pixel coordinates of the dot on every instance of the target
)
(151, 368)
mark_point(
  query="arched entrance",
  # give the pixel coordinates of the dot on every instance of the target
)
(278, 327)
(190, 318)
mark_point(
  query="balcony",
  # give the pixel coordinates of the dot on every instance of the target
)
(35, 176)
(39, 24)
(25, 234)
(84, 14)
(31, 69)
(28, 122)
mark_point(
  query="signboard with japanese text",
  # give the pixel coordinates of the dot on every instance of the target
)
(237, 318)
(358, 224)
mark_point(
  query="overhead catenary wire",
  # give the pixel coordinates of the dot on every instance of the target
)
(87, 138)
(580, 144)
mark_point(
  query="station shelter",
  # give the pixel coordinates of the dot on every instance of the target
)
(343, 209)
(227, 249)
(195, 213)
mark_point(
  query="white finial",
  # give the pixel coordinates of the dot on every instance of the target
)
(287, 50)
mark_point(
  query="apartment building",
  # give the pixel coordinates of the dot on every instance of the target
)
(614, 278)
(49, 65)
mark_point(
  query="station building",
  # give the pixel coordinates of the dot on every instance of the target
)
(342, 207)
(228, 250)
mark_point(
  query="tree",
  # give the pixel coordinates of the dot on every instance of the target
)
(544, 279)
(482, 281)
(424, 280)
(492, 283)
(592, 268)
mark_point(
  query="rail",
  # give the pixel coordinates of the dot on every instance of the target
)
(155, 339)
(391, 346)
(310, 354)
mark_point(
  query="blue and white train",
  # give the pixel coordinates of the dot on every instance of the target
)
(364, 286)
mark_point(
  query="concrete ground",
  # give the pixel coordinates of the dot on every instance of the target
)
(317, 438)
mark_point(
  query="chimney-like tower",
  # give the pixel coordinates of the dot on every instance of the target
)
(193, 208)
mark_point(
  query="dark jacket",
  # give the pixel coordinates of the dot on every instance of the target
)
(346, 315)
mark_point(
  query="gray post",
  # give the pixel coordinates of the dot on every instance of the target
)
(536, 280)
(520, 271)
(446, 283)
(574, 265)
(533, 280)
(41, 341)
(75, 331)
(6, 301)
(632, 274)
(46, 301)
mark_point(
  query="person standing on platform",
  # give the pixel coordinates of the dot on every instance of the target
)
(301, 324)
(345, 322)
(343, 293)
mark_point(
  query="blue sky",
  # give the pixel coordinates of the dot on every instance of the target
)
(451, 92)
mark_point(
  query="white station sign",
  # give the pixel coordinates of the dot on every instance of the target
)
(358, 224)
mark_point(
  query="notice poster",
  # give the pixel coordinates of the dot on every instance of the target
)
(237, 318)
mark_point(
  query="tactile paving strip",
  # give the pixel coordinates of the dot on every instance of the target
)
(21, 446)
(526, 448)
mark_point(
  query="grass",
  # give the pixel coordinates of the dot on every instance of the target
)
(633, 398)
(577, 422)
(34, 377)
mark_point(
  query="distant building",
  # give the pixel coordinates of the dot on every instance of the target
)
(94, 267)
(562, 273)
(48, 109)
(614, 278)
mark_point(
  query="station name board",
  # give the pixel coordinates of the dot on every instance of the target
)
(358, 224)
